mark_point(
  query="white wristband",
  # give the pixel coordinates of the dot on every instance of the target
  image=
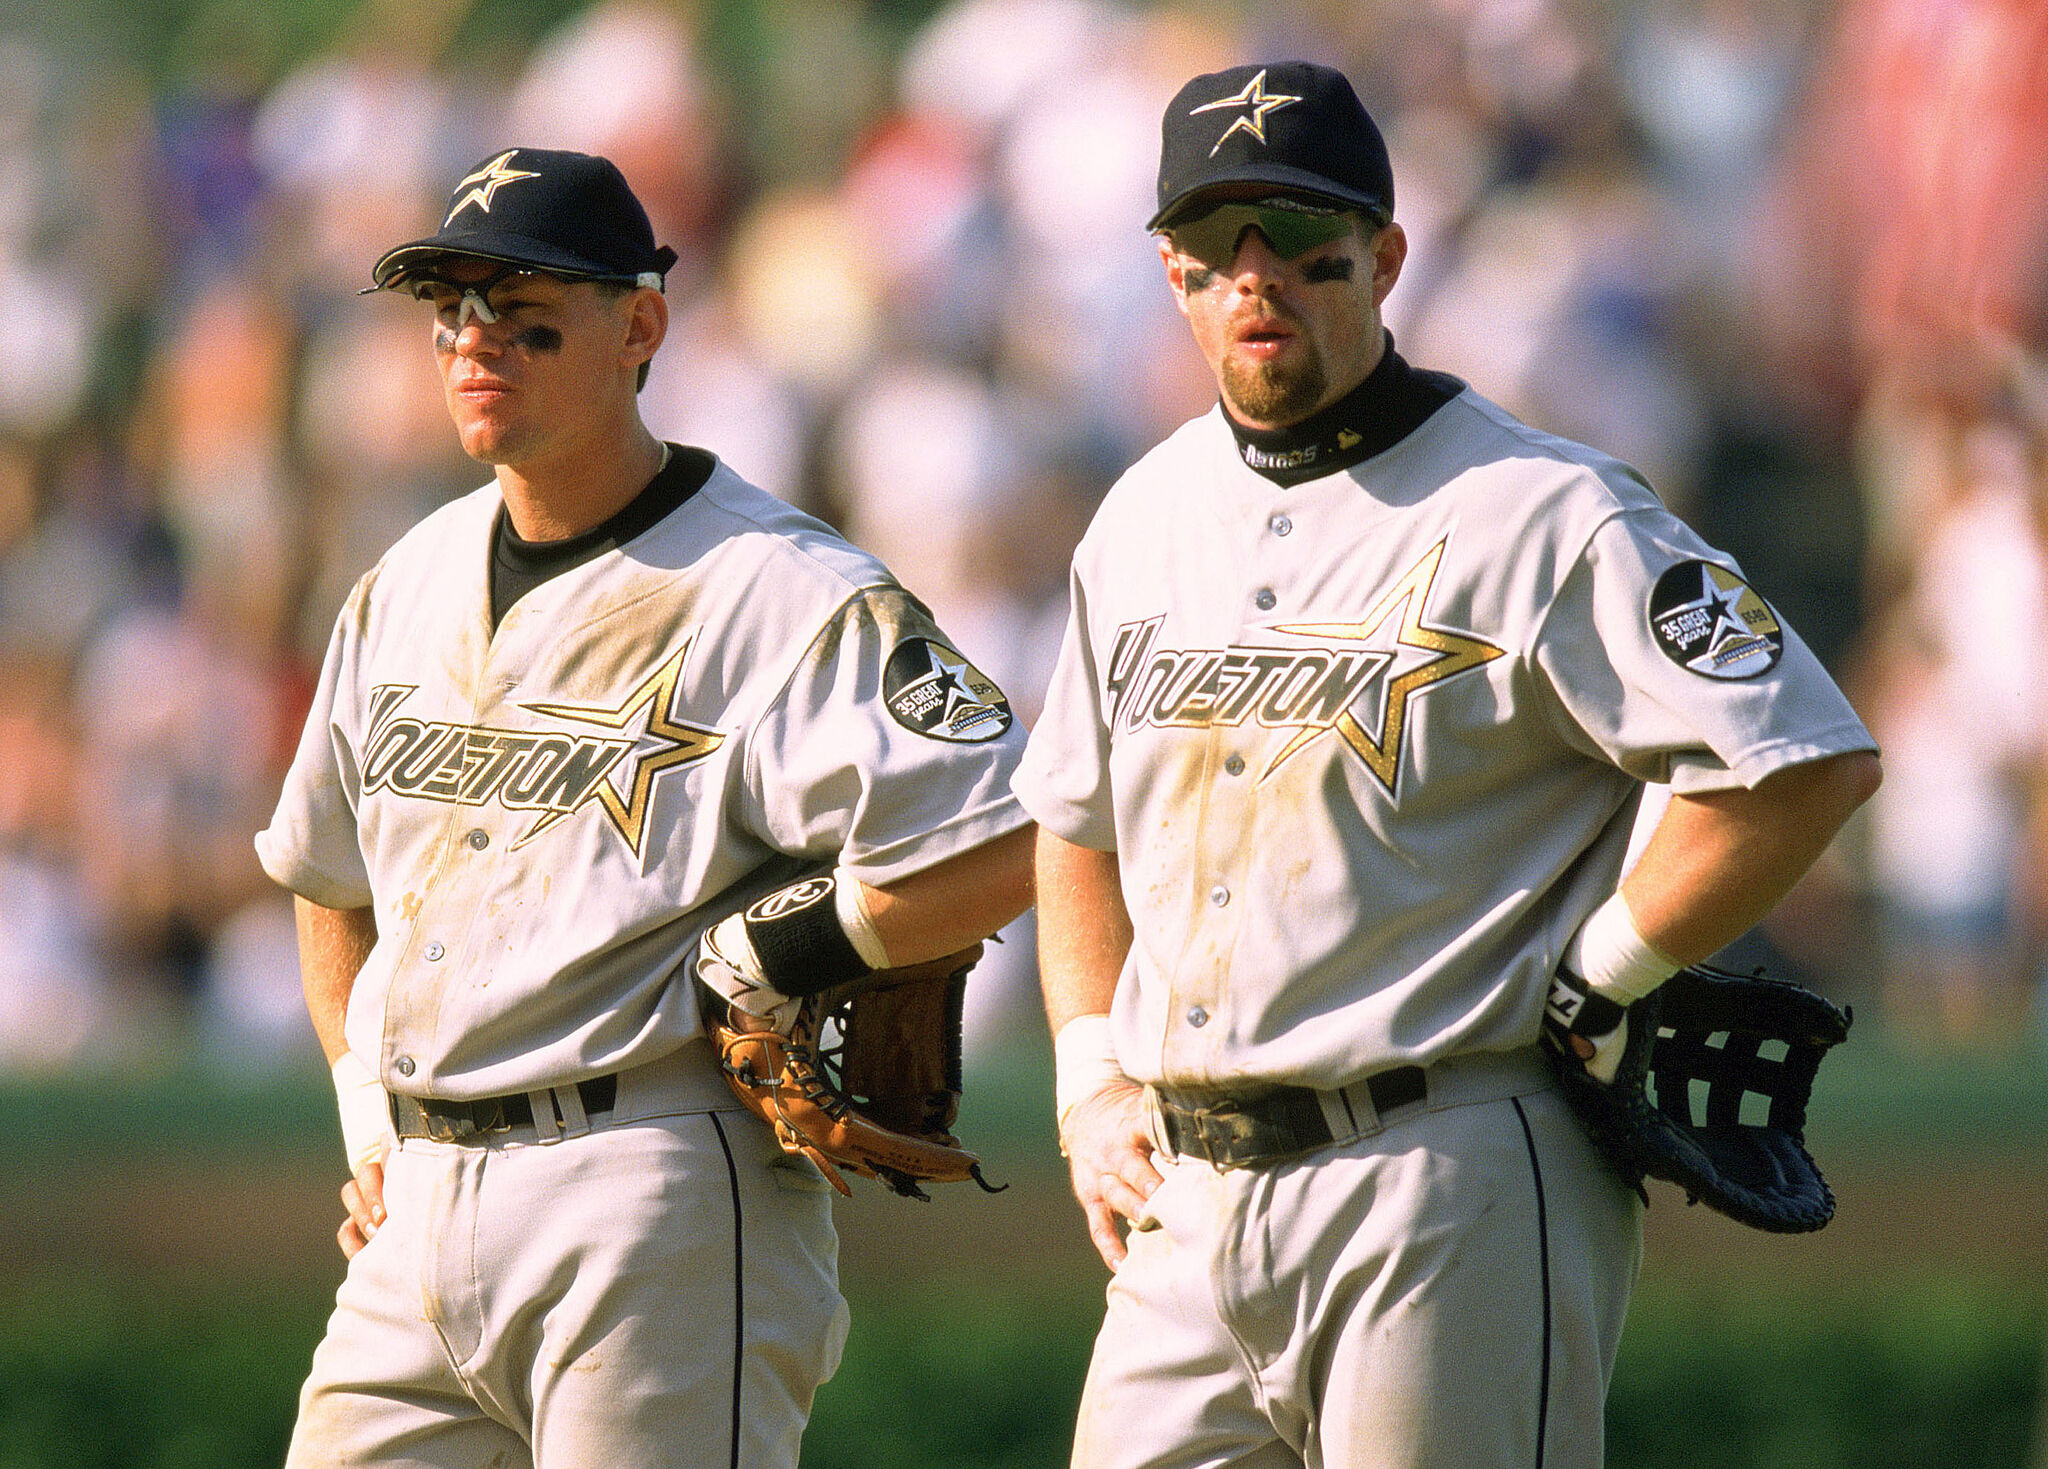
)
(1083, 1063)
(854, 917)
(365, 1111)
(1610, 953)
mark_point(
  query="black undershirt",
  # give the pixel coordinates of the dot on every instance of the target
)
(1393, 401)
(518, 566)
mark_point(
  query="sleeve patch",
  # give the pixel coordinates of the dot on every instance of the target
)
(1707, 619)
(933, 691)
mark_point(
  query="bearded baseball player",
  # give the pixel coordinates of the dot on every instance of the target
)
(1363, 685)
(612, 700)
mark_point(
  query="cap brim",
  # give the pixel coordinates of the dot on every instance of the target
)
(1279, 176)
(507, 249)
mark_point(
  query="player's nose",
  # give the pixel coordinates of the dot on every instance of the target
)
(1257, 266)
(474, 337)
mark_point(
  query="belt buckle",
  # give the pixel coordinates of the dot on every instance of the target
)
(1230, 1136)
(472, 1121)
(444, 1128)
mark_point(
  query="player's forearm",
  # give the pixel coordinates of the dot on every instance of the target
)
(1084, 929)
(1719, 861)
(944, 908)
(333, 945)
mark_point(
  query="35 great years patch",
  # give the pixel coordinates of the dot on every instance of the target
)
(934, 691)
(1707, 619)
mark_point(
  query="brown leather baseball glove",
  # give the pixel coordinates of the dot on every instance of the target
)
(866, 1078)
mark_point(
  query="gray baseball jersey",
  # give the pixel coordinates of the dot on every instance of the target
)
(1369, 745)
(546, 816)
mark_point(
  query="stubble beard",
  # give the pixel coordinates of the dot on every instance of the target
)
(1272, 392)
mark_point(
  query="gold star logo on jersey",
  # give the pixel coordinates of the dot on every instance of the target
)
(1258, 102)
(663, 744)
(480, 186)
(1449, 654)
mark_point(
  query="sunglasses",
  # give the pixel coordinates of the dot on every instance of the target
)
(425, 283)
(444, 294)
(1291, 227)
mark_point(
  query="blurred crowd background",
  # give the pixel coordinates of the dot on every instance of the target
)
(1789, 257)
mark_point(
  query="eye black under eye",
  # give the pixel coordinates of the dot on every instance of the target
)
(1329, 268)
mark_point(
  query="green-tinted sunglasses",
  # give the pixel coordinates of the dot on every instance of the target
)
(1291, 226)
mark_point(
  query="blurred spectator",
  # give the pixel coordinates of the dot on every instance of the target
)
(1961, 705)
(352, 144)
(1903, 287)
(56, 1006)
(46, 292)
(1788, 258)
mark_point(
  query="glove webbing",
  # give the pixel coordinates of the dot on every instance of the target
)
(1732, 1070)
(1690, 1016)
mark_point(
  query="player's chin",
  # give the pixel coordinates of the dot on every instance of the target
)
(487, 439)
(1273, 388)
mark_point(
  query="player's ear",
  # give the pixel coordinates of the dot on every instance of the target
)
(646, 325)
(1389, 250)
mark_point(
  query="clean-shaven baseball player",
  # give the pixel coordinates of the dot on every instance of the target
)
(566, 725)
(1362, 688)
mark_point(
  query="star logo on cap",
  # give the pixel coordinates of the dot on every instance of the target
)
(1257, 99)
(478, 188)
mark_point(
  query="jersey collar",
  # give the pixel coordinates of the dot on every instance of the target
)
(1393, 401)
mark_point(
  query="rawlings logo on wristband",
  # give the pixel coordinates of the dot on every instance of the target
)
(798, 895)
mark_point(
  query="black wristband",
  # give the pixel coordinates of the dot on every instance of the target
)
(1581, 1009)
(796, 935)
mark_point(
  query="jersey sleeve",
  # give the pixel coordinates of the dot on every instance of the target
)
(887, 746)
(311, 845)
(1064, 780)
(1663, 660)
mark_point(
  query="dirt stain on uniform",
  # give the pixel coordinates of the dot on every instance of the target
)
(892, 612)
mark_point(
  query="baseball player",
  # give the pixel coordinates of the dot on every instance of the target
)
(1361, 690)
(613, 699)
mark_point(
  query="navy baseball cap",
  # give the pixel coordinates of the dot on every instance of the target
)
(1293, 125)
(569, 214)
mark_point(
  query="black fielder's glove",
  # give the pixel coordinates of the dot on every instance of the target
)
(1755, 1044)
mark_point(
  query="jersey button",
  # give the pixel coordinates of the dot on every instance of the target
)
(478, 839)
(405, 1066)
(1234, 765)
(1265, 599)
(1198, 1017)
(433, 951)
(1280, 525)
(1219, 895)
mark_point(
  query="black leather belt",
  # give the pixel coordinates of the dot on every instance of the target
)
(448, 1122)
(1233, 1134)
